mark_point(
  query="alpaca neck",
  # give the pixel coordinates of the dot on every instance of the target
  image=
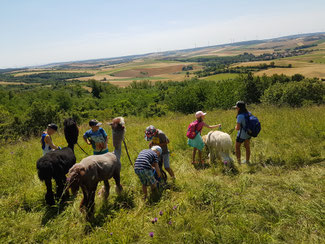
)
(71, 146)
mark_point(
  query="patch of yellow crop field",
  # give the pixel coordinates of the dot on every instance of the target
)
(307, 70)
(17, 83)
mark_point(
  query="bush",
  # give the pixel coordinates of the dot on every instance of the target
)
(295, 94)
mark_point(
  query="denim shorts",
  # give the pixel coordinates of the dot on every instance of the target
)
(240, 140)
(146, 176)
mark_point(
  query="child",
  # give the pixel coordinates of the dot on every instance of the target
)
(118, 131)
(242, 136)
(96, 137)
(143, 167)
(197, 143)
(46, 140)
(159, 138)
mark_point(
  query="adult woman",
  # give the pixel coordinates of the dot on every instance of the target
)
(242, 136)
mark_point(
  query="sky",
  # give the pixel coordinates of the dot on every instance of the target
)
(36, 32)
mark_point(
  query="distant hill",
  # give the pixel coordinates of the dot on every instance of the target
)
(124, 59)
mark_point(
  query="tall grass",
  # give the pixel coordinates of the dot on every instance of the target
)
(277, 199)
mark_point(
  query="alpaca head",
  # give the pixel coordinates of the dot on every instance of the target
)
(71, 131)
(74, 178)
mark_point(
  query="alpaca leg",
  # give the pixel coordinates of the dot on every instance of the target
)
(118, 187)
(49, 197)
(105, 191)
(59, 187)
(60, 184)
(91, 201)
(85, 199)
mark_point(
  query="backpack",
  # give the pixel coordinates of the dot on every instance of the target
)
(253, 125)
(191, 130)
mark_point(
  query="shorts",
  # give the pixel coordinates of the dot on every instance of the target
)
(240, 140)
(146, 176)
(165, 158)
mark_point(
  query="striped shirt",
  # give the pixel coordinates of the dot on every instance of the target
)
(146, 159)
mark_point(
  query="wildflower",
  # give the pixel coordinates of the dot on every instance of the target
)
(111, 233)
(152, 221)
(225, 162)
(175, 207)
(156, 219)
(161, 213)
(170, 222)
(151, 234)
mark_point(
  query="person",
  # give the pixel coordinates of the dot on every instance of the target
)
(158, 138)
(96, 137)
(118, 131)
(197, 143)
(46, 140)
(146, 161)
(242, 136)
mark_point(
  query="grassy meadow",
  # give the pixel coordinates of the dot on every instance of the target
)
(279, 198)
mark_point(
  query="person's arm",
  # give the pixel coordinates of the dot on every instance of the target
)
(239, 121)
(48, 140)
(211, 126)
(238, 126)
(85, 137)
(156, 166)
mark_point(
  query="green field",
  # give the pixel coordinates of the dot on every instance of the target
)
(220, 77)
(279, 198)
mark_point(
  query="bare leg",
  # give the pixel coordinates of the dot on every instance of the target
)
(238, 155)
(170, 171)
(200, 156)
(145, 192)
(194, 153)
(248, 149)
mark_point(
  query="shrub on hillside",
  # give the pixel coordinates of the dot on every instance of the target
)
(295, 94)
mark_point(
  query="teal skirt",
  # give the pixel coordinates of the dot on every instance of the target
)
(197, 142)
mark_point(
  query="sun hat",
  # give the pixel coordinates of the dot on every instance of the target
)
(199, 114)
(239, 104)
(157, 148)
(94, 122)
(53, 126)
(150, 132)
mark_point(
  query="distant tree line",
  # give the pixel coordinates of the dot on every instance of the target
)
(43, 78)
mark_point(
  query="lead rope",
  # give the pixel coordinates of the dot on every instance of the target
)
(82, 149)
(127, 153)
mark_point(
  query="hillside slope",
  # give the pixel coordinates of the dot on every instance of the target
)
(279, 198)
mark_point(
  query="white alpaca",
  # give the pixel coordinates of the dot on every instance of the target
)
(219, 145)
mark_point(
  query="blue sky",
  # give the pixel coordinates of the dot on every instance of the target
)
(38, 32)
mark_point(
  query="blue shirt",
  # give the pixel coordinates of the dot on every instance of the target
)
(242, 133)
(146, 159)
(97, 139)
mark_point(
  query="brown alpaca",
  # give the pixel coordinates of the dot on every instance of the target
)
(88, 173)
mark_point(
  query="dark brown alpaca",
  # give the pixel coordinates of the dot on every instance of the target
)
(56, 164)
